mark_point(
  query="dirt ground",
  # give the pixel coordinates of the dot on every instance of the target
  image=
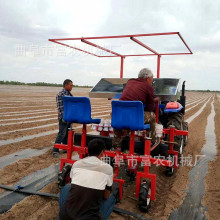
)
(212, 180)
(169, 191)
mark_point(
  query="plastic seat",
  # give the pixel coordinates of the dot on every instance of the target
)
(128, 115)
(78, 110)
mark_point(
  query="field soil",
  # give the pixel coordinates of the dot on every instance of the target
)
(212, 180)
(170, 191)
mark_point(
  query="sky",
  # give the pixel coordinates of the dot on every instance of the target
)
(26, 55)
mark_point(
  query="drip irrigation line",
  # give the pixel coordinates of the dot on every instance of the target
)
(125, 212)
(20, 189)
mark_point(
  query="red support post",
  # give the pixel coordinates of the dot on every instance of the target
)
(83, 141)
(122, 67)
(147, 153)
(158, 66)
(131, 147)
(70, 144)
(158, 76)
(171, 151)
(68, 147)
(121, 183)
(146, 174)
(150, 176)
(172, 130)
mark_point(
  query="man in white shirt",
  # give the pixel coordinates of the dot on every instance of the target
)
(89, 192)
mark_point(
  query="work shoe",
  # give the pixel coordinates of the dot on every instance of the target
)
(56, 154)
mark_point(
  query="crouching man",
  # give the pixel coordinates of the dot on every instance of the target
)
(88, 196)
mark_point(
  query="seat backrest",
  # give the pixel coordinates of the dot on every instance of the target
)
(128, 115)
(77, 109)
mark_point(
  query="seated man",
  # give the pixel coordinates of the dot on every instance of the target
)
(88, 195)
(139, 89)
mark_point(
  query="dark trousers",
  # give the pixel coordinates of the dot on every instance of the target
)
(106, 207)
(62, 135)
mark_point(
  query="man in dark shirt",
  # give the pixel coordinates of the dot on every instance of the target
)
(139, 89)
(63, 125)
(91, 181)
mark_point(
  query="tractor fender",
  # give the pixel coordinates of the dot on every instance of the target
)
(173, 107)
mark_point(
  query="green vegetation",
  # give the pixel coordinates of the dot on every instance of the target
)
(37, 84)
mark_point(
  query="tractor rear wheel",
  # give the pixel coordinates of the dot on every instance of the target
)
(64, 176)
(185, 128)
(177, 120)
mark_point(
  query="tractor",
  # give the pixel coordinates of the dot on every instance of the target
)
(137, 151)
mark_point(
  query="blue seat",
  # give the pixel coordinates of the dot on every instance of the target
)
(78, 110)
(128, 115)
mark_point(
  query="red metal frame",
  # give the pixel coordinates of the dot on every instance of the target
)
(172, 132)
(133, 38)
(83, 152)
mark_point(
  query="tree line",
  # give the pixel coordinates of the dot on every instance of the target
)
(37, 84)
(203, 90)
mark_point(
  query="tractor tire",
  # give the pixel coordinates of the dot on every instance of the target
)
(185, 128)
(144, 200)
(177, 120)
(64, 176)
